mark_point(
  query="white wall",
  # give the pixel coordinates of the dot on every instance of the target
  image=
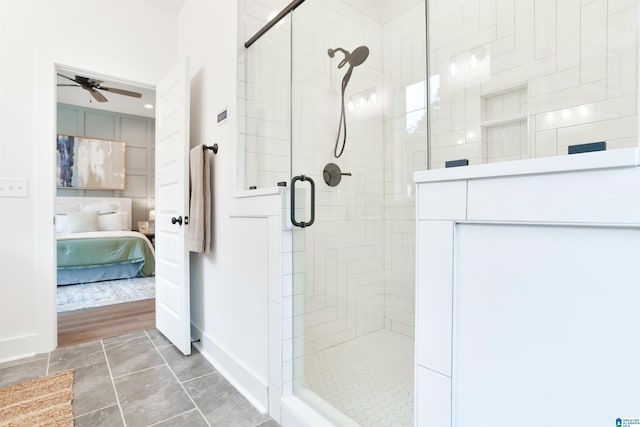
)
(140, 46)
(229, 295)
(229, 292)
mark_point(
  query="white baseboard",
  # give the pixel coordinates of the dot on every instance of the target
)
(250, 385)
(10, 346)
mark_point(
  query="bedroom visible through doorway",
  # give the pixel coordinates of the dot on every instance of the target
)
(104, 206)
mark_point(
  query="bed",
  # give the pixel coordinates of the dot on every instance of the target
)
(95, 241)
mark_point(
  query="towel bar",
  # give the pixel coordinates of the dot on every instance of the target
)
(213, 148)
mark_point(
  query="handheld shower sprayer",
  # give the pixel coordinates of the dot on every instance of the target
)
(355, 58)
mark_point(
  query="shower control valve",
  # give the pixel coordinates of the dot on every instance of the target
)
(333, 175)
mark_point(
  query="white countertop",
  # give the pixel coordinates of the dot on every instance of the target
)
(628, 157)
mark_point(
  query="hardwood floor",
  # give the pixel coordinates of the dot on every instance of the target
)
(76, 327)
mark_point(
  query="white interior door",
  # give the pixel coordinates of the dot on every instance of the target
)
(173, 315)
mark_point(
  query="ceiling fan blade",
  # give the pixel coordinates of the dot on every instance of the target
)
(68, 78)
(97, 95)
(69, 85)
(121, 91)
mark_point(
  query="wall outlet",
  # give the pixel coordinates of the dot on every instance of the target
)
(14, 187)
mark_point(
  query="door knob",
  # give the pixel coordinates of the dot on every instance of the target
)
(178, 220)
(333, 175)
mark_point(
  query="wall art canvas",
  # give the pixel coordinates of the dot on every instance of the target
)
(90, 163)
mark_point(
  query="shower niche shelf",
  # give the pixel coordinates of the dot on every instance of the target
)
(504, 124)
(504, 120)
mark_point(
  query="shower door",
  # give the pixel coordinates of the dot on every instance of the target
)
(353, 238)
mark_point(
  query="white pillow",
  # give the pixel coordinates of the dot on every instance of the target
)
(102, 207)
(126, 222)
(80, 222)
(113, 222)
(64, 205)
(61, 223)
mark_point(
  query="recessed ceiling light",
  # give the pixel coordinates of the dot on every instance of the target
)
(149, 106)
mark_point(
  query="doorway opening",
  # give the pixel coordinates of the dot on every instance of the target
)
(104, 206)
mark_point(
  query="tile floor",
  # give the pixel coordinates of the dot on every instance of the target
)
(141, 380)
(369, 379)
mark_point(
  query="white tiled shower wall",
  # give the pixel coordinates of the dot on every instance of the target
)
(264, 98)
(344, 250)
(405, 151)
(356, 274)
(577, 60)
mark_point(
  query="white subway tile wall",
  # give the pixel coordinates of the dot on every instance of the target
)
(265, 148)
(358, 257)
(343, 300)
(352, 272)
(573, 62)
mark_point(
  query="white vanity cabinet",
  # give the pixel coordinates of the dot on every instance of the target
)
(528, 292)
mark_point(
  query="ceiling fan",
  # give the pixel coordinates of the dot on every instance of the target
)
(93, 86)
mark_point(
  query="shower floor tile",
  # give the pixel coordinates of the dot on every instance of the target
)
(369, 379)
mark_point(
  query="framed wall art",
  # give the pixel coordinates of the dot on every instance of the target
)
(89, 163)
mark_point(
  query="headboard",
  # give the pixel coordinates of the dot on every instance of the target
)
(77, 204)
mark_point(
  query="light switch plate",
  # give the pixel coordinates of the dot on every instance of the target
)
(14, 187)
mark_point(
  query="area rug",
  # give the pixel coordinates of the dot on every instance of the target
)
(45, 401)
(98, 294)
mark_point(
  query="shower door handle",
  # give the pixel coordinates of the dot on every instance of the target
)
(302, 224)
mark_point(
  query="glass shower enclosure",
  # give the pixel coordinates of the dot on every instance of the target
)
(358, 131)
(336, 105)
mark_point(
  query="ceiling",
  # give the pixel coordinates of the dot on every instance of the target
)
(381, 10)
(171, 6)
(116, 103)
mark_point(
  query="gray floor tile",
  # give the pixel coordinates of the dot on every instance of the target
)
(221, 404)
(146, 386)
(150, 396)
(107, 417)
(188, 419)
(75, 356)
(92, 389)
(158, 339)
(17, 373)
(133, 355)
(186, 367)
(127, 337)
